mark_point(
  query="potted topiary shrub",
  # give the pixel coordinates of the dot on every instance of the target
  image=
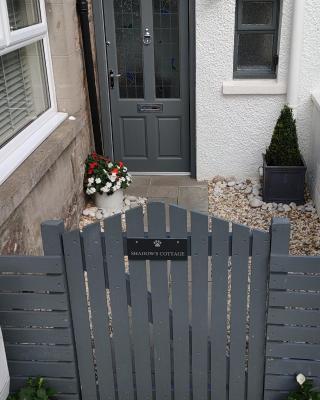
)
(284, 169)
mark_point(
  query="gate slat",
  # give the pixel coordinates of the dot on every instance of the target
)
(220, 256)
(258, 306)
(293, 334)
(160, 306)
(37, 335)
(294, 350)
(99, 310)
(32, 283)
(80, 315)
(239, 287)
(292, 299)
(199, 253)
(180, 320)
(118, 295)
(139, 301)
(43, 368)
(31, 301)
(293, 317)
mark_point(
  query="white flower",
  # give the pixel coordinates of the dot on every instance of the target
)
(90, 190)
(91, 180)
(105, 189)
(110, 165)
(89, 184)
(113, 178)
(109, 185)
(300, 379)
(125, 169)
(98, 180)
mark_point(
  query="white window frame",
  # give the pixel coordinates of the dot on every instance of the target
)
(22, 145)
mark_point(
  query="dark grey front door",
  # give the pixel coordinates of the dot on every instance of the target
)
(147, 49)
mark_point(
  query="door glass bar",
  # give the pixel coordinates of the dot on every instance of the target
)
(166, 48)
(127, 15)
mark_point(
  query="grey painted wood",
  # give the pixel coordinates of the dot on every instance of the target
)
(293, 334)
(22, 319)
(275, 395)
(138, 138)
(300, 264)
(37, 336)
(28, 352)
(199, 251)
(291, 367)
(119, 307)
(31, 301)
(43, 368)
(31, 264)
(239, 287)
(80, 314)
(51, 232)
(180, 319)
(32, 283)
(280, 236)
(294, 282)
(293, 299)
(275, 382)
(160, 306)
(60, 385)
(294, 317)
(140, 312)
(99, 310)
(258, 309)
(293, 350)
(220, 257)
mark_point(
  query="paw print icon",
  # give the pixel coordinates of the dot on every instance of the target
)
(157, 243)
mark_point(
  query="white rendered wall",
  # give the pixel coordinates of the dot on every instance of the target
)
(233, 130)
(314, 170)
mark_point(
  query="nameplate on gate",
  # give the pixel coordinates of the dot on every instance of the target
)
(157, 249)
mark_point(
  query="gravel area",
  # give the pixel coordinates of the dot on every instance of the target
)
(230, 199)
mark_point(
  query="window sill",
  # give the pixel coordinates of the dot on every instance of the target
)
(20, 147)
(254, 86)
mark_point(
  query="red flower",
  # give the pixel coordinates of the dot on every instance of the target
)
(93, 165)
(115, 170)
(120, 164)
(95, 156)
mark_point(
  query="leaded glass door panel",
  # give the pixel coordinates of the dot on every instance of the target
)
(147, 50)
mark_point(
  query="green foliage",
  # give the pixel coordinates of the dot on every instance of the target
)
(35, 389)
(284, 147)
(306, 391)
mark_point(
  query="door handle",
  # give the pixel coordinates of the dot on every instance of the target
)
(112, 76)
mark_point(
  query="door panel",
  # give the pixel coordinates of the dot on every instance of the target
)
(149, 85)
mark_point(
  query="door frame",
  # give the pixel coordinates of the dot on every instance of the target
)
(103, 82)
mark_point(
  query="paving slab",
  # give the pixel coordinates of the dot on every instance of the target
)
(194, 198)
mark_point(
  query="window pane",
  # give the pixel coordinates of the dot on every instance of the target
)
(166, 48)
(23, 13)
(23, 89)
(255, 50)
(257, 12)
(129, 48)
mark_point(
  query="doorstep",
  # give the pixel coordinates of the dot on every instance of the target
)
(181, 190)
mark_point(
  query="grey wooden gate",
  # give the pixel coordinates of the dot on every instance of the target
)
(228, 323)
(189, 327)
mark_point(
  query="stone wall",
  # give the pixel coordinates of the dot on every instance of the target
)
(314, 170)
(48, 185)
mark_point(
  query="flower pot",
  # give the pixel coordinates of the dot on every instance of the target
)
(283, 184)
(111, 204)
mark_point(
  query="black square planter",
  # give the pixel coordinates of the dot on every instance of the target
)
(283, 184)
